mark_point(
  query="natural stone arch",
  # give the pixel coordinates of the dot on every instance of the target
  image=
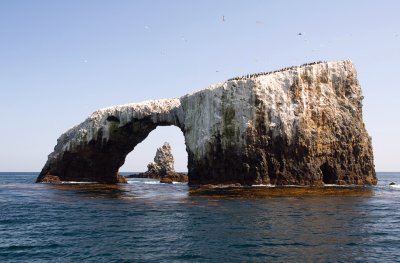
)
(97, 148)
(275, 127)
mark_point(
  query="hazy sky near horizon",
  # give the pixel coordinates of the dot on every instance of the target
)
(62, 60)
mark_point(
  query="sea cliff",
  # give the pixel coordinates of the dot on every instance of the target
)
(297, 126)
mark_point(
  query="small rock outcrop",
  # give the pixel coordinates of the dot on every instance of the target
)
(163, 163)
(296, 126)
(163, 167)
(171, 177)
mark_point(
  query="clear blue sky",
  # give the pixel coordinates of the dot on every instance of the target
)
(61, 60)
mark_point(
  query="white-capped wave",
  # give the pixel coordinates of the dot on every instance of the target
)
(143, 182)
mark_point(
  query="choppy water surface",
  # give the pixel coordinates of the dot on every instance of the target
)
(145, 221)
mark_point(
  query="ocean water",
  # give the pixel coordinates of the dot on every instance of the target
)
(145, 221)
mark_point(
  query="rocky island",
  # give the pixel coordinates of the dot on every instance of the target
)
(296, 126)
(162, 168)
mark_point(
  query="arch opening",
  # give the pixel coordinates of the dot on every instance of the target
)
(144, 152)
(328, 174)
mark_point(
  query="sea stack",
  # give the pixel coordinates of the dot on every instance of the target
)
(163, 162)
(298, 126)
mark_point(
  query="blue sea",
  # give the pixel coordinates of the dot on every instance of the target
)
(145, 221)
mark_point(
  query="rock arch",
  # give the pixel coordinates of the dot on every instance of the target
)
(274, 128)
(97, 148)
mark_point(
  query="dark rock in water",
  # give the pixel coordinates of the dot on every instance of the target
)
(140, 175)
(298, 126)
(51, 179)
(392, 183)
(121, 179)
(175, 177)
(166, 180)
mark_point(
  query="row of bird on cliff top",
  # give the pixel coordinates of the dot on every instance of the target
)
(244, 77)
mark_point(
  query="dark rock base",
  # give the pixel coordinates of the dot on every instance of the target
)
(51, 179)
(168, 178)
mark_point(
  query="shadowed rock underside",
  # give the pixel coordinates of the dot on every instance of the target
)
(298, 126)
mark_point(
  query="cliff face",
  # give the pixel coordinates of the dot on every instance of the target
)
(301, 125)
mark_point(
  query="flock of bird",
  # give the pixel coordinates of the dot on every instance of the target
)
(248, 76)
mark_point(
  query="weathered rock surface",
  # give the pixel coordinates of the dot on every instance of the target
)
(51, 179)
(301, 125)
(163, 162)
(162, 168)
(174, 177)
(169, 178)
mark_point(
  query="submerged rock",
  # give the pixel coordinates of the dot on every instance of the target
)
(297, 126)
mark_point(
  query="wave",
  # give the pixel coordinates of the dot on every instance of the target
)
(178, 183)
(143, 182)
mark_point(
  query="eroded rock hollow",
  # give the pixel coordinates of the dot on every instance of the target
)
(297, 126)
